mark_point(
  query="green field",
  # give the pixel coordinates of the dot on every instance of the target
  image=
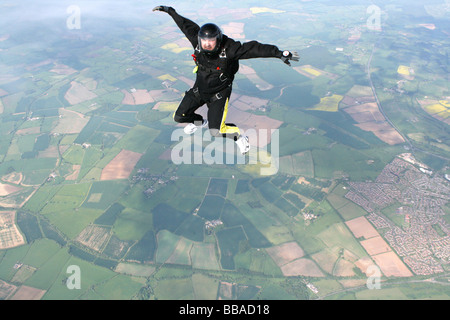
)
(216, 231)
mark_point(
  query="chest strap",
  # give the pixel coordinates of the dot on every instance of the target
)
(221, 69)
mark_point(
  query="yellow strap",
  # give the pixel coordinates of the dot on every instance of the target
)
(223, 127)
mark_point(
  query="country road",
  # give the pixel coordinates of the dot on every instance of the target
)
(378, 101)
(384, 285)
(380, 107)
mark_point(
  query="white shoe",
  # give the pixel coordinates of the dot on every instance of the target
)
(192, 127)
(243, 144)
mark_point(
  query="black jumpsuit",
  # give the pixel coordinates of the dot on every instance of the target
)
(215, 76)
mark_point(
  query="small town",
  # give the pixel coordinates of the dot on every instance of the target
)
(423, 241)
(157, 180)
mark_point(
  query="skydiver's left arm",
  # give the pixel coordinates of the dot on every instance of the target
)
(254, 49)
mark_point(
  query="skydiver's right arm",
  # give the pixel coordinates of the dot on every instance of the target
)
(188, 27)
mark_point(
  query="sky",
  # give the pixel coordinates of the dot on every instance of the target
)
(22, 13)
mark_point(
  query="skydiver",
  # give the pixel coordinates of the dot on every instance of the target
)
(217, 61)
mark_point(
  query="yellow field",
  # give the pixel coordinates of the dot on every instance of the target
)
(167, 77)
(166, 106)
(441, 109)
(404, 70)
(445, 103)
(312, 71)
(438, 109)
(435, 108)
(256, 10)
(175, 48)
(330, 104)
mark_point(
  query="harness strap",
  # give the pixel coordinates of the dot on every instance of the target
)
(214, 98)
(223, 75)
(222, 69)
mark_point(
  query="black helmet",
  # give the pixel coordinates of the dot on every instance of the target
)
(207, 32)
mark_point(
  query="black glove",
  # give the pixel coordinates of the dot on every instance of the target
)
(287, 55)
(161, 8)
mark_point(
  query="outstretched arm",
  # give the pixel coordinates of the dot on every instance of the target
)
(188, 27)
(254, 49)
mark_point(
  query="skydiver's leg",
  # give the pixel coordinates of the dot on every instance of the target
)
(217, 113)
(186, 110)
